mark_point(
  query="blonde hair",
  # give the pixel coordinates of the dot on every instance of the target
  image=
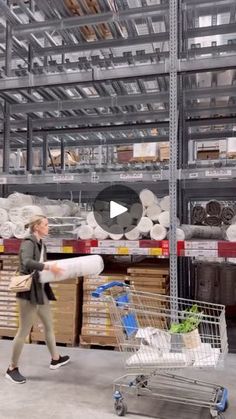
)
(35, 221)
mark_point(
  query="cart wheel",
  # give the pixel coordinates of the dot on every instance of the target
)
(120, 407)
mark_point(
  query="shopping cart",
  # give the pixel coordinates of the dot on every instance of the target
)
(142, 324)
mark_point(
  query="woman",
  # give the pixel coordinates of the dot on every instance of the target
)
(36, 301)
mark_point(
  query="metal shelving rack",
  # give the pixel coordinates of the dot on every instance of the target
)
(136, 71)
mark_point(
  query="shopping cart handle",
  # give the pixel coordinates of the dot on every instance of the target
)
(100, 290)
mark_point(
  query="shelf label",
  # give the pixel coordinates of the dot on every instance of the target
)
(67, 249)
(3, 180)
(103, 250)
(218, 173)
(1, 248)
(63, 178)
(55, 249)
(157, 176)
(193, 175)
(201, 253)
(134, 176)
(122, 251)
(155, 251)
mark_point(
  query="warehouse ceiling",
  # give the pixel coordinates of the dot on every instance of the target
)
(75, 70)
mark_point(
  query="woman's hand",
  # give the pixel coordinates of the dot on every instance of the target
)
(54, 268)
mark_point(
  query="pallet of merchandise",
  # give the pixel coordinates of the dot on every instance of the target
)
(97, 328)
(66, 313)
(9, 315)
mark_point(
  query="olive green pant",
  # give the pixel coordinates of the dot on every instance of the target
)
(27, 315)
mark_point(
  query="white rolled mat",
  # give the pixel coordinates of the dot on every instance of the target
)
(4, 203)
(144, 226)
(29, 211)
(85, 232)
(19, 231)
(180, 235)
(92, 221)
(147, 197)
(165, 203)
(3, 216)
(6, 230)
(124, 220)
(100, 234)
(231, 233)
(158, 232)
(153, 211)
(136, 210)
(19, 200)
(115, 232)
(52, 210)
(15, 215)
(73, 268)
(164, 219)
(133, 234)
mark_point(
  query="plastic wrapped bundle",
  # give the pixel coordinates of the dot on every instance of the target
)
(227, 214)
(19, 200)
(52, 210)
(4, 203)
(213, 220)
(73, 268)
(15, 215)
(213, 208)
(7, 230)
(116, 232)
(147, 197)
(198, 214)
(19, 231)
(29, 211)
(3, 216)
(158, 232)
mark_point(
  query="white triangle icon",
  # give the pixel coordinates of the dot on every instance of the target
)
(116, 209)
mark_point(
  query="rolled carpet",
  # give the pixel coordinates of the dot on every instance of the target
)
(4, 203)
(165, 203)
(29, 211)
(213, 220)
(164, 219)
(15, 215)
(153, 211)
(100, 234)
(213, 208)
(158, 232)
(19, 231)
(85, 232)
(231, 233)
(144, 226)
(3, 216)
(19, 200)
(7, 230)
(202, 232)
(227, 214)
(198, 214)
(132, 234)
(73, 268)
(147, 197)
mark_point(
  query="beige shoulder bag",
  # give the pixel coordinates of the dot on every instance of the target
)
(22, 283)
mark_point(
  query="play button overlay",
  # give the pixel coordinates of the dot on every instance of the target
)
(117, 209)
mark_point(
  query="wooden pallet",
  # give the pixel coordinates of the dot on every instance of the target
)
(91, 342)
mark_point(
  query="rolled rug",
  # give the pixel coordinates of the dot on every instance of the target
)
(124, 220)
(213, 208)
(7, 230)
(100, 234)
(92, 221)
(52, 210)
(227, 214)
(202, 232)
(213, 220)
(19, 200)
(85, 232)
(165, 203)
(180, 235)
(198, 214)
(144, 226)
(3, 216)
(15, 215)
(133, 234)
(164, 219)
(158, 232)
(73, 268)
(19, 231)
(231, 233)
(136, 210)
(153, 211)
(116, 232)
(4, 203)
(29, 211)
(147, 197)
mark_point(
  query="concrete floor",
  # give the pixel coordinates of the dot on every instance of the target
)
(83, 388)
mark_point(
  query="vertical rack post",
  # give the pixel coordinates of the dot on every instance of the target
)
(173, 136)
(6, 138)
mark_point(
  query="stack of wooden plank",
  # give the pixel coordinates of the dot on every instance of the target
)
(97, 328)
(66, 313)
(8, 306)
